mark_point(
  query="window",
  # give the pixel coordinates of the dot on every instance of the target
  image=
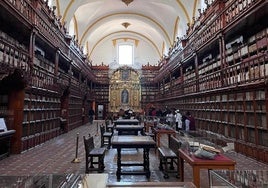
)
(50, 3)
(125, 54)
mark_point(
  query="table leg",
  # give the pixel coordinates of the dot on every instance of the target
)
(196, 176)
(118, 172)
(142, 132)
(146, 162)
(158, 139)
(181, 169)
(146, 127)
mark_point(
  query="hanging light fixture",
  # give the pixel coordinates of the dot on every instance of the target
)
(127, 2)
(126, 24)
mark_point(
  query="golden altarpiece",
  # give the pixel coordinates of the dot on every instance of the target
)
(125, 90)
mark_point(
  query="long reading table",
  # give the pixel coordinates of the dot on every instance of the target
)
(144, 142)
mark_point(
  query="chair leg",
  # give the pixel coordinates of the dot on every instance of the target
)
(165, 167)
(87, 170)
(109, 142)
(101, 164)
(161, 164)
(171, 164)
(178, 175)
(91, 162)
(102, 142)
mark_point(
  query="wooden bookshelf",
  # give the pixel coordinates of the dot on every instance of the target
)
(52, 76)
(218, 71)
(41, 120)
(223, 75)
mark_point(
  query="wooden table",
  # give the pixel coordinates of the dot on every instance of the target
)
(129, 129)
(220, 162)
(5, 143)
(144, 142)
(158, 132)
(147, 184)
(126, 122)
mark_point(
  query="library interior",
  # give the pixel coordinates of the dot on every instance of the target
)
(109, 93)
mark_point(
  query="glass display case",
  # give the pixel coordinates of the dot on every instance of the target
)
(239, 178)
(38, 181)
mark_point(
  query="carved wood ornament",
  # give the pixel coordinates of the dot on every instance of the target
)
(125, 90)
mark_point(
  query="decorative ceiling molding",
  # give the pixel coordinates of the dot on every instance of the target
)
(136, 41)
(127, 2)
(126, 24)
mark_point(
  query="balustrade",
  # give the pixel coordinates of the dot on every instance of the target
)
(235, 8)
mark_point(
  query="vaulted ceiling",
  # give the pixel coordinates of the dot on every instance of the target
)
(154, 24)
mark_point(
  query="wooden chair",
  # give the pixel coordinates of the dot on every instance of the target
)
(109, 126)
(94, 156)
(105, 137)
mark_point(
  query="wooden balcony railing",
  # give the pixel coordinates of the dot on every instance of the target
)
(207, 28)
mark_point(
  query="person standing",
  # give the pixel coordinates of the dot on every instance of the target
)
(91, 114)
(169, 118)
(178, 120)
(189, 122)
(153, 111)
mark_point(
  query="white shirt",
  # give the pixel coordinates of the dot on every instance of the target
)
(178, 117)
(169, 117)
(187, 125)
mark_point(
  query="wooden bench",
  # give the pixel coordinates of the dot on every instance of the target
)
(92, 154)
(168, 156)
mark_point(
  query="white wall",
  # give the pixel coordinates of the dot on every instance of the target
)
(106, 53)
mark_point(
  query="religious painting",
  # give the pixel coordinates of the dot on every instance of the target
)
(125, 74)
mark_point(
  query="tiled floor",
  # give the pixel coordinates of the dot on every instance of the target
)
(56, 156)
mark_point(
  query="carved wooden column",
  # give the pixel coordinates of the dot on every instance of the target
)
(56, 62)
(196, 72)
(31, 53)
(222, 58)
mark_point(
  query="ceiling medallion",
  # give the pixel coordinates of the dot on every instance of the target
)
(126, 24)
(127, 2)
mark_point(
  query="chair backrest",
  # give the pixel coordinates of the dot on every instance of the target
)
(88, 143)
(102, 129)
(174, 144)
(107, 123)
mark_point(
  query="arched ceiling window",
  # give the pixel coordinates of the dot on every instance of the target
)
(125, 54)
